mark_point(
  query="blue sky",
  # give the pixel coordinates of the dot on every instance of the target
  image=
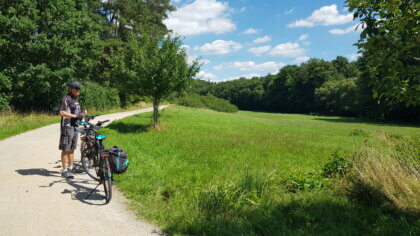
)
(246, 38)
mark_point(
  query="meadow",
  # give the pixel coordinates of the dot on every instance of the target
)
(212, 173)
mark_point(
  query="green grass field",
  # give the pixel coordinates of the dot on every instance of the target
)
(212, 173)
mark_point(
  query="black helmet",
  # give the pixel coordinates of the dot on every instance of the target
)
(73, 85)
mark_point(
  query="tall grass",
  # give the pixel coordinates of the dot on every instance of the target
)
(390, 174)
(12, 123)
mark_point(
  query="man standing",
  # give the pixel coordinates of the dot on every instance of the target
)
(70, 117)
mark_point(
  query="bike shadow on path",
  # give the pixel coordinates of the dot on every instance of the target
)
(80, 188)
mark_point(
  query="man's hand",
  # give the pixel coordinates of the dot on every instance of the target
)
(79, 116)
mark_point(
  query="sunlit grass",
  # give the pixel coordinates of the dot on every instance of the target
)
(226, 174)
(13, 123)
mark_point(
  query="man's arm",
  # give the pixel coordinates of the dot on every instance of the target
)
(67, 115)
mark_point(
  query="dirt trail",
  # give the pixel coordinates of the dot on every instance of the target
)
(36, 200)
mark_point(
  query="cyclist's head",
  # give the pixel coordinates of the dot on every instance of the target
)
(74, 88)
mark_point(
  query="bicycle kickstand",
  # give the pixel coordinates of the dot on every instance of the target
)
(93, 190)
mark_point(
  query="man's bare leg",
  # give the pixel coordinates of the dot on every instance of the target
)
(64, 159)
(71, 158)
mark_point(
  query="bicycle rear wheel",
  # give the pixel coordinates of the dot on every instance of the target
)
(107, 180)
(90, 163)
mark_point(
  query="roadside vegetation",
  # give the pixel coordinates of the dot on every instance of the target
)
(13, 123)
(212, 173)
(207, 102)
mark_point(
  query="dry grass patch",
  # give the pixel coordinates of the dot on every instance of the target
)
(389, 174)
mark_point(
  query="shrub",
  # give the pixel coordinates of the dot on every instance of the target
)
(95, 96)
(337, 166)
(306, 182)
(208, 101)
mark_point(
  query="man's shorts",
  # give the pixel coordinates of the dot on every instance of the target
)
(68, 138)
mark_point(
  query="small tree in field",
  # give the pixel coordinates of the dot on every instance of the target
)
(156, 69)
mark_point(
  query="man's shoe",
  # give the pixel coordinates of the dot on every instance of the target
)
(66, 174)
(76, 170)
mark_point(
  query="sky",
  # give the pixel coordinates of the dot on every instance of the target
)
(250, 38)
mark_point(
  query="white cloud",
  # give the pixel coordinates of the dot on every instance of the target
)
(326, 15)
(303, 37)
(205, 75)
(219, 47)
(262, 39)
(354, 57)
(250, 31)
(350, 29)
(192, 58)
(301, 59)
(248, 76)
(287, 50)
(251, 66)
(259, 50)
(201, 17)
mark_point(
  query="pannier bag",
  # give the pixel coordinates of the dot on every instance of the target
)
(118, 160)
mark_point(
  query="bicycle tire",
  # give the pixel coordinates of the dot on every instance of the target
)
(90, 163)
(107, 180)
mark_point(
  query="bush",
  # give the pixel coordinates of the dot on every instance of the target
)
(337, 166)
(5, 86)
(95, 96)
(208, 101)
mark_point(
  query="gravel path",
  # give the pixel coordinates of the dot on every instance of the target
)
(36, 200)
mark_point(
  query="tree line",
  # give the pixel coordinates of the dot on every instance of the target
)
(384, 84)
(335, 87)
(120, 50)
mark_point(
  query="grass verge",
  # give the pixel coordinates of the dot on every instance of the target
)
(13, 123)
(211, 173)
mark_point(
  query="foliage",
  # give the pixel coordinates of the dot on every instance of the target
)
(208, 101)
(337, 166)
(390, 44)
(95, 96)
(5, 87)
(44, 44)
(156, 69)
(317, 86)
(306, 182)
(47, 43)
(338, 97)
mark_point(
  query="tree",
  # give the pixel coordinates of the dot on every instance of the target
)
(390, 43)
(156, 69)
(42, 45)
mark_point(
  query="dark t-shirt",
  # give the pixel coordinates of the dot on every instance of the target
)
(69, 104)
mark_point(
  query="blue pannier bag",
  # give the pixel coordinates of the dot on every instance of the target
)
(118, 160)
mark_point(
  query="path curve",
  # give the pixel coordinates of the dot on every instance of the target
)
(36, 200)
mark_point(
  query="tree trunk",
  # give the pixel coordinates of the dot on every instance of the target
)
(155, 111)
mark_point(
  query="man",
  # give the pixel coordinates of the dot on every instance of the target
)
(70, 117)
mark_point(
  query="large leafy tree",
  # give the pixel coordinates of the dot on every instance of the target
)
(390, 43)
(42, 45)
(154, 68)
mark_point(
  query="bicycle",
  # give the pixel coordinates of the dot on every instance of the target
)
(94, 157)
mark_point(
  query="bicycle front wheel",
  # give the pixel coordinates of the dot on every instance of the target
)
(107, 180)
(90, 163)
